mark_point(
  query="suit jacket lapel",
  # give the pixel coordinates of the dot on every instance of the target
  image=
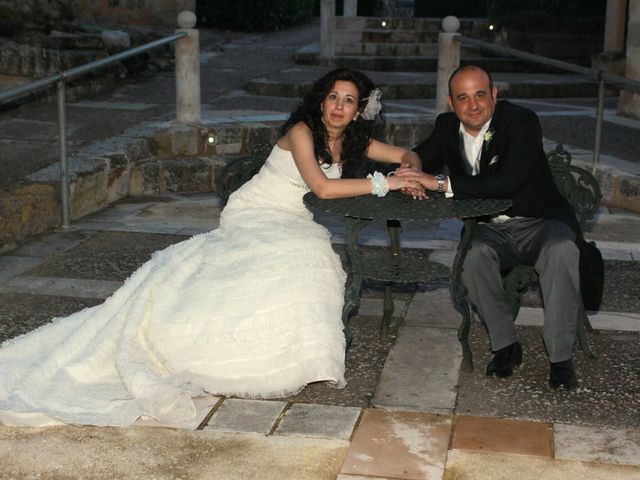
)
(489, 147)
(456, 145)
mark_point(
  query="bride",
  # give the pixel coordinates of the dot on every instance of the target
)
(251, 309)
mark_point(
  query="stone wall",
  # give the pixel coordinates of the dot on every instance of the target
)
(131, 12)
(18, 17)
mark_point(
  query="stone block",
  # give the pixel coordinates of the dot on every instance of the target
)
(115, 40)
(186, 176)
(401, 135)
(178, 140)
(225, 139)
(626, 192)
(88, 193)
(260, 135)
(606, 181)
(137, 149)
(117, 160)
(145, 178)
(118, 182)
(27, 210)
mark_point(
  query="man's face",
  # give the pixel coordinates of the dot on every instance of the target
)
(472, 100)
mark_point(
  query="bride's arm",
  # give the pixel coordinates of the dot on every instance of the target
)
(299, 142)
(385, 153)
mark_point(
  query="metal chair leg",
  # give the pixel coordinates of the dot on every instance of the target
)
(463, 337)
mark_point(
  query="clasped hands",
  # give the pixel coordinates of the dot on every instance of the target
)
(420, 181)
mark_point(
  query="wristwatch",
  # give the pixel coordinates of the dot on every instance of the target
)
(440, 179)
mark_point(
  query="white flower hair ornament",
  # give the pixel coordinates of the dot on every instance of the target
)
(373, 106)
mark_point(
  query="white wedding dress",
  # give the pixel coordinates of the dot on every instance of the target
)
(250, 309)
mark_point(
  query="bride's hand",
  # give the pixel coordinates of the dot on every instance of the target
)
(407, 186)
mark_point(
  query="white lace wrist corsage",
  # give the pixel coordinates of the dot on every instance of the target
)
(379, 184)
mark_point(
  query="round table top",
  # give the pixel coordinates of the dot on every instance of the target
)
(397, 206)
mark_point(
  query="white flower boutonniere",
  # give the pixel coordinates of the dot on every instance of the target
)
(488, 135)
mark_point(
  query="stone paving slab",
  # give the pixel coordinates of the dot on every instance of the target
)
(400, 445)
(342, 476)
(469, 465)
(433, 308)
(324, 421)
(11, 266)
(51, 243)
(421, 371)
(503, 436)
(203, 408)
(61, 287)
(246, 416)
(629, 322)
(604, 445)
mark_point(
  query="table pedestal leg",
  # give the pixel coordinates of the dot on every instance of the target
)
(394, 228)
(352, 292)
(387, 310)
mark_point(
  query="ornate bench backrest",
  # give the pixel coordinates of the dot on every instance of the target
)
(576, 184)
(240, 170)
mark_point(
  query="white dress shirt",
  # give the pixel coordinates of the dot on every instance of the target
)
(472, 151)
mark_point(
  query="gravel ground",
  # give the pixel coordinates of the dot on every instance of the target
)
(608, 390)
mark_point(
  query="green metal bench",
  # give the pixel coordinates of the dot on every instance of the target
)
(240, 170)
(582, 191)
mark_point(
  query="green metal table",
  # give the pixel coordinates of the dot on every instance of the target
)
(392, 266)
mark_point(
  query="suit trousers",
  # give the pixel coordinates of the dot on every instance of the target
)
(547, 245)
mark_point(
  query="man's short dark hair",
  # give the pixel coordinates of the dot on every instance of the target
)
(464, 68)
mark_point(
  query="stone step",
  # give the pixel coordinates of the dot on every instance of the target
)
(467, 25)
(386, 49)
(310, 55)
(158, 157)
(382, 35)
(424, 86)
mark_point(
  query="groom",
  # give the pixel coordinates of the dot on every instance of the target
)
(493, 149)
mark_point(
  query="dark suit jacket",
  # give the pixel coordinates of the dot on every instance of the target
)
(512, 164)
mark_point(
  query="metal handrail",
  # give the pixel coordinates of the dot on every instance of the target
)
(595, 74)
(60, 80)
(75, 72)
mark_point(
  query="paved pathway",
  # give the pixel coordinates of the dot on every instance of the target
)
(417, 419)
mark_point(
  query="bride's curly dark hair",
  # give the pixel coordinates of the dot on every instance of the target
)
(358, 133)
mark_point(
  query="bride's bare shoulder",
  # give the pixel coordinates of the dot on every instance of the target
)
(300, 132)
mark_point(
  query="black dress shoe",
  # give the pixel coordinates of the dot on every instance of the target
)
(503, 361)
(562, 374)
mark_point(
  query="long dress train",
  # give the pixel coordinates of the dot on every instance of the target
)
(252, 308)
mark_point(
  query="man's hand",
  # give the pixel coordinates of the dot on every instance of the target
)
(424, 179)
(416, 192)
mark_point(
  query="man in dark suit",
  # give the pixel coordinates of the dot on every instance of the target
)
(493, 149)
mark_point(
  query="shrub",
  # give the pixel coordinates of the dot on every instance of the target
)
(549, 14)
(251, 15)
